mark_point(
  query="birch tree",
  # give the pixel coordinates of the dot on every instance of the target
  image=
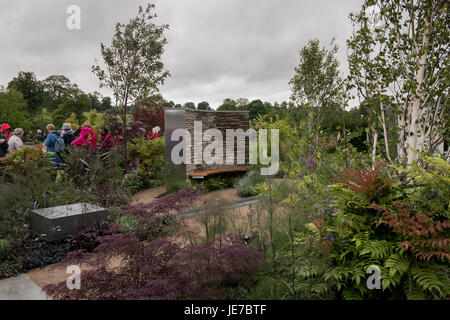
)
(317, 83)
(398, 58)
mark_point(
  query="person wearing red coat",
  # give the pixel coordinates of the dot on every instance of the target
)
(83, 139)
(6, 131)
(111, 140)
(156, 133)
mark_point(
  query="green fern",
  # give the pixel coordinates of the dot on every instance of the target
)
(397, 265)
(426, 278)
(351, 294)
(378, 249)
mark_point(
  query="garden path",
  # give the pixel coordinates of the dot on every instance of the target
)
(149, 195)
(21, 288)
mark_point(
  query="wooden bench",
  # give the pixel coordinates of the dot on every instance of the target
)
(205, 173)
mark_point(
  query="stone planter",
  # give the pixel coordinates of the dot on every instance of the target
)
(62, 222)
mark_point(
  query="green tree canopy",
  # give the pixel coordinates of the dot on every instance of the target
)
(189, 105)
(317, 84)
(14, 109)
(55, 87)
(31, 89)
(203, 106)
(73, 101)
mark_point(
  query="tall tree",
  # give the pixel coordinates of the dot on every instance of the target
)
(203, 106)
(55, 87)
(317, 84)
(242, 102)
(134, 69)
(31, 89)
(13, 109)
(106, 104)
(189, 105)
(256, 108)
(151, 112)
(227, 105)
(399, 60)
(95, 101)
(73, 101)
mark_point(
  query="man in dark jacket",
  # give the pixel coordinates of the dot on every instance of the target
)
(3, 146)
(40, 136)
(68, 134)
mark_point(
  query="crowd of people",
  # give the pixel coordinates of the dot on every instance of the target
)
(57, 142)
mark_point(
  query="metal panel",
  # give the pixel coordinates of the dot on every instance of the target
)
(64, 221)
(175, 173)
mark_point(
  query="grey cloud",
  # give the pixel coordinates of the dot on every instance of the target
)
(217, 49)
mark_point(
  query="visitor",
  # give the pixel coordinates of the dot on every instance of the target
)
(103, 133)
(83, 140)
(6, 131)
(15, 142)
(76, 134)
(54, 144)
(93, 139)
(155, 134)
(3, 146)
(111, 139)
(68, 134)
(40, 136)
(147, 133)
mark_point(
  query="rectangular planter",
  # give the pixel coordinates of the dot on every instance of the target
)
(62, 222)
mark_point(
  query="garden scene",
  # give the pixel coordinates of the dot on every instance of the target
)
(357, 210)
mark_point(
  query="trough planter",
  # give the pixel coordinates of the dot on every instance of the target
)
(62, 222)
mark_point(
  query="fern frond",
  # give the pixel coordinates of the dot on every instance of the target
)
(427, 279)
(396, 264)
(378, 249)
(351, 294)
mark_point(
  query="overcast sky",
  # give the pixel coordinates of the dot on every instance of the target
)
(216, 49)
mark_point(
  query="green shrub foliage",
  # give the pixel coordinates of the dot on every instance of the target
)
(151, 155)
(400, 225)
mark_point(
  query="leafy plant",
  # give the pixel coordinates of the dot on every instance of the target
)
(151, 155)
(162, 269)
(245, 187)
(97, 173)
(133, 182)
(387, 223)
(28, 252)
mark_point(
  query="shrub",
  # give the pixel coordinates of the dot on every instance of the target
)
(245, 187)
(98, 174)
(133, 182)
(87, 239)
(151, 155)
(154, 219)
(399, 225)
(73, 121)
(29, 252)
(159, 268)
(212, 184)
(291, 230)
(162, 269)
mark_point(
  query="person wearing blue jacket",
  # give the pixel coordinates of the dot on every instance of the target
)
(50, 143)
